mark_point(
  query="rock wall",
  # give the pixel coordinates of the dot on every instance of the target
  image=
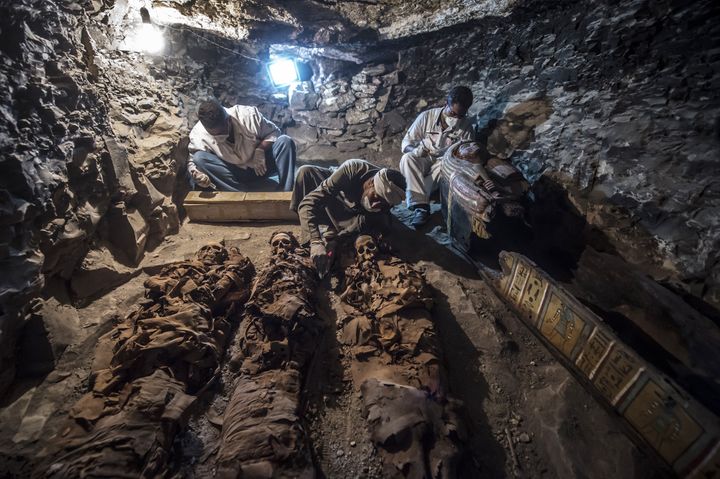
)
(632, 146)
(93, 147)
(627, 160)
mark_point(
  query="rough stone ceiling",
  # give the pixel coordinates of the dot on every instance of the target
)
(315, 21)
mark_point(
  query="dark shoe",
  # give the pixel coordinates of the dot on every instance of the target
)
(420, 217)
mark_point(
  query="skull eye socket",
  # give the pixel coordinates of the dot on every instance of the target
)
(281, 240)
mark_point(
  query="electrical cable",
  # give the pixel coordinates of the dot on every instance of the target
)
(182, 29)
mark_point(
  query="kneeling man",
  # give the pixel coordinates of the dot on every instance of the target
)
(354, 198)
(231, 148)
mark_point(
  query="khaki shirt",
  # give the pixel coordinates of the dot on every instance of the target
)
(428, 126)
(336, 203)
(250, 127)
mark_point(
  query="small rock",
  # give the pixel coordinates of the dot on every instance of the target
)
(340, 453)
(352, 443)
(524, 437)
(533, 363)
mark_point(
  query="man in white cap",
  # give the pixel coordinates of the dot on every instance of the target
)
(354, 198)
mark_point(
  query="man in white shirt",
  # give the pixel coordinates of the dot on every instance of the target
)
(230, 148)
(432, 132)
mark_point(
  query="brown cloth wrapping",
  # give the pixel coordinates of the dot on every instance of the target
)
(149, 369)
(397, 363)
(262, 436)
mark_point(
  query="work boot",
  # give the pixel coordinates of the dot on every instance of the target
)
(421, 215)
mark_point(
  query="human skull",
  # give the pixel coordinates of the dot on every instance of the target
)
(281, 242)
(366, 247)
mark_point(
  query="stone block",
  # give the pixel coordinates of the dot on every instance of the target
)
(392, 123)
(337, 103)
(391, 78)
(363, 130)
(320, 120)
(302, 134)
(301, 97)
(383, 98)
(355, 116)
(98, 273)
(162, 222)
(148, 197)
(376, 70)
(366, 90)
(363, 104)
(128, 231)
(118, 169)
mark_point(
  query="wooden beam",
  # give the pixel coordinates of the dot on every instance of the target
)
(225, 206)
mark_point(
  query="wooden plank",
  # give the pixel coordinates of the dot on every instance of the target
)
(225, 206)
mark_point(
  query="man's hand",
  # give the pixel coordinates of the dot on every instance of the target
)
(430, 148)
(201, 179)
(320, 258)
(259, 165)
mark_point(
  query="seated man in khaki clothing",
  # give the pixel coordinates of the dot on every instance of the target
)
(354, 198)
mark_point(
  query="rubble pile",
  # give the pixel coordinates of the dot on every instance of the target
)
(150, 368)
(262, 435)
(397, 364)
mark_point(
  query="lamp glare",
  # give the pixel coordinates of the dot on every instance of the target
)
(283, 72)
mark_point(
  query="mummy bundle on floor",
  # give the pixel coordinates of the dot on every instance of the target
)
(397, 365)
(262, 436)
(150, 368)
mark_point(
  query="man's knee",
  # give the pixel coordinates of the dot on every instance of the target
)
(304, 173)
(408, 161)
(285, 143)
(203, 158)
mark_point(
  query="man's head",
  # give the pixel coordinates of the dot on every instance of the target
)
(213, 117)
(459, 100)
(383, 191)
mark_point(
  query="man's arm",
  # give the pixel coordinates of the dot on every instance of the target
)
(267, 132)
(311, 208)
(415, 133)
(194, 146)
(468, 133)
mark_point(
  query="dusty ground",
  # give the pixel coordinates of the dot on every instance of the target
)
(527, 416)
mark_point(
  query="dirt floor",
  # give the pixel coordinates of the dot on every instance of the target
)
(526, 415)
